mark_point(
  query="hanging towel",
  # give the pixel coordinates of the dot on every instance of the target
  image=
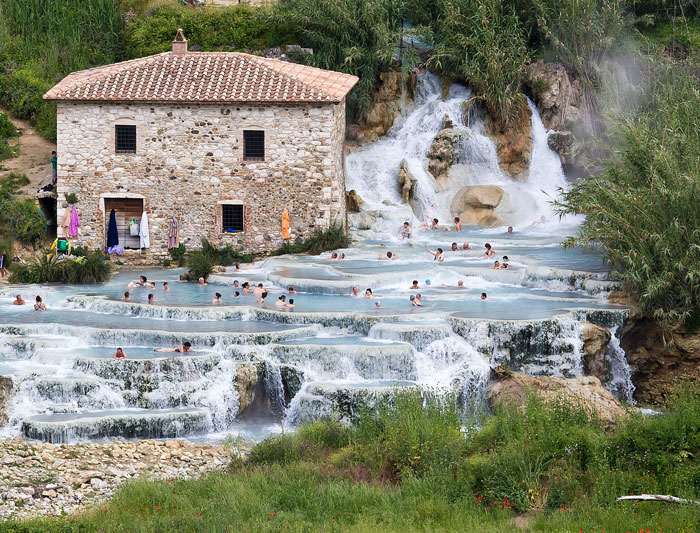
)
(144, 237)
(112, 231)
(74, 222)
(173, 238)
(285, 224)
(65, 225)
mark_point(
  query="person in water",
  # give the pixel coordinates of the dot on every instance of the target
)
(236, 294)
(483, 296)
(510, 229)
(438, 255)
(262, 297)
(460, 284)
(390, 256)
(18, 300)
(290, 290)
(153, 285)
(140, 283)
(259, 289)
(151, 298)
(39, 304)
(217, 299)
(490, 252)
(405, 232)
(454, 247)
(415, 285)
(355, 291)
(120, 354)
(369, 294)
(235, 283)
(341, 256)
(542, 220)
(496, 264)
(201, 281)
(334, 255)
(415, 302)
(505, 261)
(418, 299)
(165, 286)
(281, 302)
(183, 348)
(126, 296)
(466, 246)
(290, 304)
(434, 224)
(378, 305)
(458, 225)
(246, 288)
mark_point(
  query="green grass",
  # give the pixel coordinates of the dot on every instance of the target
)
(7, 132)
(20, 218)
(410, 466)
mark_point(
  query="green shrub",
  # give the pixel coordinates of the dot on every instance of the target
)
(178, 254)
(72, 198)
(357, 37)
(46, 268)
(332, 238)
(225, 256)
(199, 264)
(239, 27)
(7, 131)
(21, 218)
(483, 44)
(642, 211)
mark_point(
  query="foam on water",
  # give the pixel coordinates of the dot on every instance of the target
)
(332, 352)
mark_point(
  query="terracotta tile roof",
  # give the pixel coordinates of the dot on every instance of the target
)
(205, 77)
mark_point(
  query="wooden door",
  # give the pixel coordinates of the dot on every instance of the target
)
(125, 210)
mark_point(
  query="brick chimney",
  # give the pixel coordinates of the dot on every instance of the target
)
(179, 43)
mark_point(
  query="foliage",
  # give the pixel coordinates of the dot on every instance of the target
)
(7, 131)
(332, 238)
(46, 268)
(178, 254)
(552, 459)
(240, 27)
(642, 210)
(358, 37)
(43, 40)
(482, 43)
(581, 33)
(72, 198)
(199, 264)
(20, 218)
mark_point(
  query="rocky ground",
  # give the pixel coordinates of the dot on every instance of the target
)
(40, 479)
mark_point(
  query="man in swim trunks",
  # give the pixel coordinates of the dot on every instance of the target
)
(405, 232)
(390, 256)
(259, 289)
(18, 300)
(415, 285)
(458, 226)
(184, 347)
(120, 354)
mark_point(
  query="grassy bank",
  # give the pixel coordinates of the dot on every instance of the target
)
(412, 467)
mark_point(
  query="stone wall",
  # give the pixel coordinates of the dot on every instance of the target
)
(189, 159)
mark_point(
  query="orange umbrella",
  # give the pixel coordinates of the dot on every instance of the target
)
(285, 224)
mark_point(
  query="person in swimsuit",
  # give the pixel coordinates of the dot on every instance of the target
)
(390, 256)
(290, 290)
(202, 281)
(281, 302)
(140, 283)
(405, 232)
(341, 257)
(184, 347)
(235, 283)
(246, 288)
(458, 226)
(120, 354)
(378, 305)
(259, 289)
(290, 304)
(454, 247)
(39, 304)
(490, 252)
(483, 296)
(126, 296)
(355, 291)
(334, 255)
(432, 225)
(369, 294)
(415, 285)
(466, 246)
(261, 299)
(415, 302)
(438, 255)
(510, 229)
(236, 294)
(217, 299)
(151, 298)
(496, 264)
(18, 300)
(165, 286)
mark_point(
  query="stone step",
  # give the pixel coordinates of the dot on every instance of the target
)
(129, 423)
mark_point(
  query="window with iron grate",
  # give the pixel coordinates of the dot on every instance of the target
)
(253, 145)
(125, 139)
(231, 218)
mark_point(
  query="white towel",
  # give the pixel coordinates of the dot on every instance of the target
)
(144, 237)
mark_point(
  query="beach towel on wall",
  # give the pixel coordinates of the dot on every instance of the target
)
(144, 236)
(173, 238)
(74, 222)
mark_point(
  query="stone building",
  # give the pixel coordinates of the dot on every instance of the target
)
(223, 141)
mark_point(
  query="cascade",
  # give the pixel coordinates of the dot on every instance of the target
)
(333, 353)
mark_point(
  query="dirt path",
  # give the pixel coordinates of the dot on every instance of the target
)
(34, 157)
